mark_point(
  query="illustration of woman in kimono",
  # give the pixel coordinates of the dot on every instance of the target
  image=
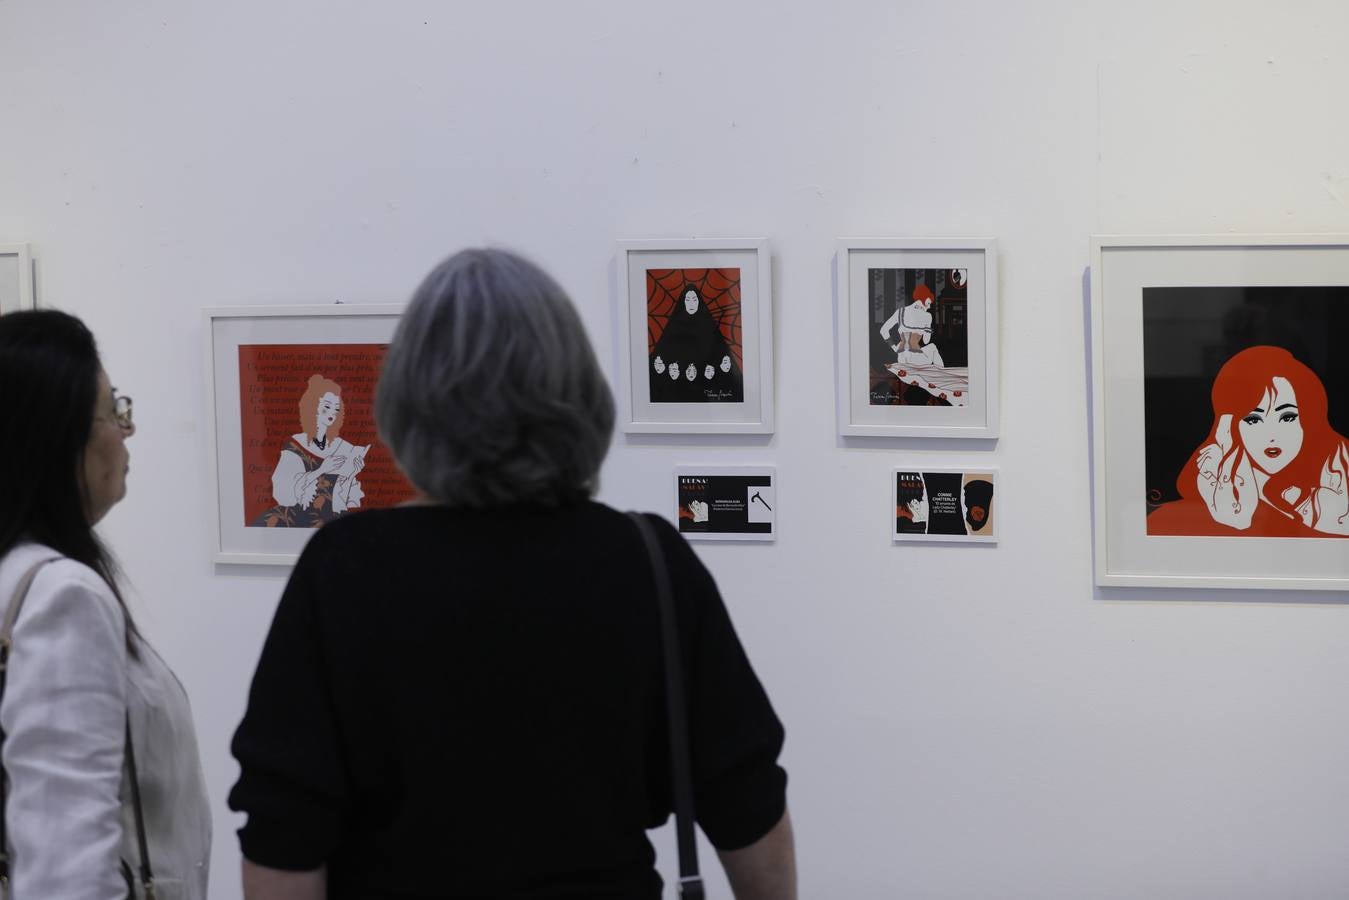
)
(315, 477)
(691, 362)
(1271, 466)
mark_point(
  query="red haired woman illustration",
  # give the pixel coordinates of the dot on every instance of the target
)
(1271, 466)
(315, 477)
(912, 325)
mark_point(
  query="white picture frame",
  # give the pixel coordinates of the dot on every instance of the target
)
(719, 395)
(945, 504)
(264, 352)
(16, 278)
(924, 391)
(1173, 318)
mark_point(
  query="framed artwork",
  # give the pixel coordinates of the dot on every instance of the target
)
(726, 503)
(16, 278)
(292, 428)
(1221, 405)
(696, 319)
(934, 503)
(918, 338)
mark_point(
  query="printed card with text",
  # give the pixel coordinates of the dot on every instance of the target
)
(941, 504)
(726, 503)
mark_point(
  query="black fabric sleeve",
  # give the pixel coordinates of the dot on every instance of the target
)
(740, 791)
(292, 782)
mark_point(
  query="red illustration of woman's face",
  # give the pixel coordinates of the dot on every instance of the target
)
(1272, 431)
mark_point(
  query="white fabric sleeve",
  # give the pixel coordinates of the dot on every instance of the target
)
(348, 494)
(63, 714)
(288, 481)
(890, 323)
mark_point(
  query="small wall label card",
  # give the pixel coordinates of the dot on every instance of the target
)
(941, 504)
(726, 503)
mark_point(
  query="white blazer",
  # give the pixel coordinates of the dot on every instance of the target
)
(70, 682)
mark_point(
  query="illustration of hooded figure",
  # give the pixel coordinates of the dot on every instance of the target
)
(691, 362)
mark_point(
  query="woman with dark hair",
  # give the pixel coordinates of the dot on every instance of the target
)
(432, 714)
(691, 362)
(82, 687)
(1272, 465)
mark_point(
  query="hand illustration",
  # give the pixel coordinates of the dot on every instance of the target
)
(1327, 510)
(660, 366)
(331, 464)
(674, 371)
(726, 363)
(1334, 508)
(1226, 483)
(691, 372)
(709, 372)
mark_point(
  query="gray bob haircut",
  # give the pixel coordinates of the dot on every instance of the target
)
(490, 392)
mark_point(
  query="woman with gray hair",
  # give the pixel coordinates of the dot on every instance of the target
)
(464, 697)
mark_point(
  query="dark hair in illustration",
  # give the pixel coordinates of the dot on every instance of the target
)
(490, 392)
(309, 406)
(908, 488)
(1237, 389)
(978, 503)
(49, 369)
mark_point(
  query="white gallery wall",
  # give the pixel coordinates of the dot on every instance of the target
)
(962, 721)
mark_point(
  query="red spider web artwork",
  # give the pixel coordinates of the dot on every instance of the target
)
(720, 290)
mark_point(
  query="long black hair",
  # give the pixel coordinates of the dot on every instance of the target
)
(49, 370)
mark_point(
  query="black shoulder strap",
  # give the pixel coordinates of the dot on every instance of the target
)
(690, 884)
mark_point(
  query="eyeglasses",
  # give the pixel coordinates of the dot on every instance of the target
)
(121, 409)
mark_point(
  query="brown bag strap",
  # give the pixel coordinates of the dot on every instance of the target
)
(15, 604)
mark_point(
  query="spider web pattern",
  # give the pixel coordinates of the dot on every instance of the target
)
(720, 290)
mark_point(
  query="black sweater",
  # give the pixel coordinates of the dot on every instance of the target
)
(461, 703)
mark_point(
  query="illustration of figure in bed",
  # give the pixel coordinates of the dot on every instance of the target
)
(912, 326)
(315, 476)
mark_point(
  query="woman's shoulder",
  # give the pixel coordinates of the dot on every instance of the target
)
(54, 569)
(62, 590)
